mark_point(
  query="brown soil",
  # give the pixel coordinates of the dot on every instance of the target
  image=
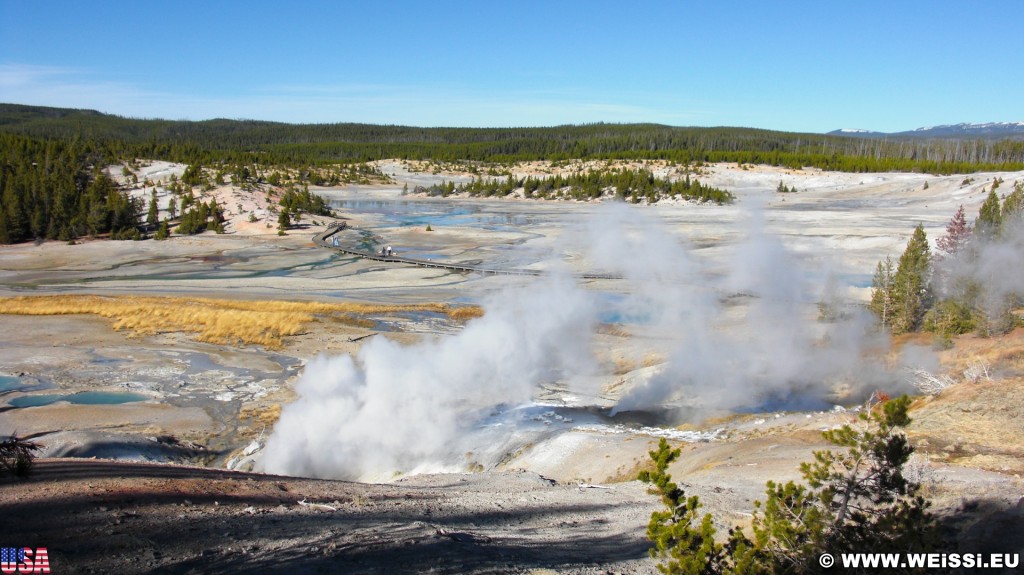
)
(107, 517)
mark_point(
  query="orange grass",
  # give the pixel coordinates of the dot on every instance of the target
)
(222, 321)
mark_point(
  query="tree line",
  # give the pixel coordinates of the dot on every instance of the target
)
(248, 142)
(964, 286)
(56, 189)
(625, 184)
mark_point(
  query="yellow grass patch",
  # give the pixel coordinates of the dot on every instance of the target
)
(466, 313)
(214, 320)
(624, 365)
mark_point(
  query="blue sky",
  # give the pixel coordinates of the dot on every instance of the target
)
(797, 66)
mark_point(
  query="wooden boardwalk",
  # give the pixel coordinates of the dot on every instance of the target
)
(323, 240)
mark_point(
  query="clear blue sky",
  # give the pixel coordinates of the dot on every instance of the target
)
(801, 66)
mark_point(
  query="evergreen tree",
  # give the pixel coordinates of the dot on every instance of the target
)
(681, 537)
(283, 222)
(1013, 206)
(153, 214)
(163, 232)
(853, 500)
(882, 291)
(989, 219)
(912, 294)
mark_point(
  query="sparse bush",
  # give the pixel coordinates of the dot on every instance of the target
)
(685, 541)
(854, 500)
(948, 318)
(163, 232)
(929, 383)
(17, 455)
(977, 372)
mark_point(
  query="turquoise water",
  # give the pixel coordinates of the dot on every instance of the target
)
(105, 397)
(9, 382)
(421, 214)
(83, 398)
(35, 400)
(614, 308)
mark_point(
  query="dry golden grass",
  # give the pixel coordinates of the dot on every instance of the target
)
(624, 365)
(977, 423)
(613, 329)
(466, 313)
(221, 321)
(630, 471)
(1004, 352)
(261, 418)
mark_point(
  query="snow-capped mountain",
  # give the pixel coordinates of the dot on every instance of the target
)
(988, 130)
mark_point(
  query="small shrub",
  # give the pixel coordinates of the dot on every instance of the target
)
(948, 318)
(17, 455)
(854, 500)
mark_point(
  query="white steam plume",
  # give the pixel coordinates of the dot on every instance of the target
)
(764, 348)
(419, 408)
(412, 408)
(996, 265)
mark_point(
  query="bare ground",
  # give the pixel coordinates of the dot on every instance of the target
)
(115, 517)
(119, 517)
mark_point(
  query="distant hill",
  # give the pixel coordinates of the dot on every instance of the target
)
(248, 142)
(987, 131)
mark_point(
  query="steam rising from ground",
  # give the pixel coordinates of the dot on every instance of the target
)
(995, 265)
(418, 408)
(761, 347)
(412, 408)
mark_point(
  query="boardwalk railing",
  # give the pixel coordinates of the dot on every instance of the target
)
(329, 239)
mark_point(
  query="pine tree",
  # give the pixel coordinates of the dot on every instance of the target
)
(283, 222)
(989, 219)
(882, 291)
(1013, 206)
(855, 499)
(912, 284)
(153, 215)
(681, 537)
(163, 232)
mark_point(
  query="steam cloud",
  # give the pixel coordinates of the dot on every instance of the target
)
(417, 408)
(412, 408)
(770, 353)
(996, 265)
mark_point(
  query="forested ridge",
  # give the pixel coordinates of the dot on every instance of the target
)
(277, 143)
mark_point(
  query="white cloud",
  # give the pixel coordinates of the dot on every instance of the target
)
(370, 103)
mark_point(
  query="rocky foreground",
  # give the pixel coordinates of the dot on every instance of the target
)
(98, 516)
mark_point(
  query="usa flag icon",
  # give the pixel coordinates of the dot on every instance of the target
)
(24, 560)
(12, 555)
